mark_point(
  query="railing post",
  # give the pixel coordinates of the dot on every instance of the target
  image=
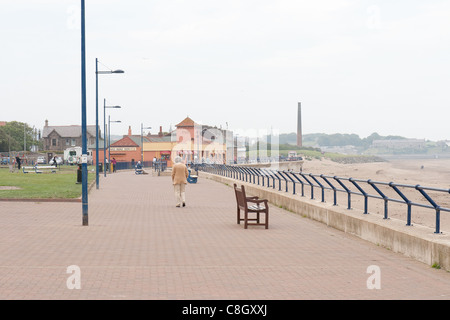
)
(281, 173)
(332, 187)
(363, 193)
(436, 207)
(320, 185)
(288, 174)
(312, 186)
(301, 182)
(349, 206)
(385, 198)
(269, 176)
(407, 201)
(279, 180)
(253, 173)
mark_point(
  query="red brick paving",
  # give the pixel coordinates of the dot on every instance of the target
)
(138, 245)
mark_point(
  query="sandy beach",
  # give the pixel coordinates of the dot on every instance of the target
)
(424, 172)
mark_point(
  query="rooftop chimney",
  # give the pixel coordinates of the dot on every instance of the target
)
(129, 130)
(46, 123)
(160, 131)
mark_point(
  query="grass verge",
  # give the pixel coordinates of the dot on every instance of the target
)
(59, 185)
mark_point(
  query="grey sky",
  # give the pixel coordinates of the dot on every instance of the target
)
(356, 66)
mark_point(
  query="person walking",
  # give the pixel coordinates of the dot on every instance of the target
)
(179, 180)
(54, 162)
(114, 163)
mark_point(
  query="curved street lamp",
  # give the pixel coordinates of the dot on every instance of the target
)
(97, 72)
(104, 130)
(109, 139)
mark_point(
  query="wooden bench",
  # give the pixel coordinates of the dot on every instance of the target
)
(39, 169)
(251, 205)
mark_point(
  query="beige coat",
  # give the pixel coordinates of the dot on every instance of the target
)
(179, 173)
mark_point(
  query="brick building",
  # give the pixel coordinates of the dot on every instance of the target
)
(59, 138)
(192, 141)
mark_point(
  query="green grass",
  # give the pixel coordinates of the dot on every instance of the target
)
(436, 265)
(59, 185)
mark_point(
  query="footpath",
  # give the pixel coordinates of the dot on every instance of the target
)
(138, 245)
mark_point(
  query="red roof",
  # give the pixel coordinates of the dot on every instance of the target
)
(125, 142)
(188, 122)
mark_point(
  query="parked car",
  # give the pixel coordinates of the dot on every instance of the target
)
(40, 159)
(59, 161)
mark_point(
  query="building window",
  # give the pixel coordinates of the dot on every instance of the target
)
(67, 142)
(73, 142)
(53, 142)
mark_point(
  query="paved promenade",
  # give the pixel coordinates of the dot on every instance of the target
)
(138, 245)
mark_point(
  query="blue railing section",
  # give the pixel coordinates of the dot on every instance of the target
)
(159, 165)
(276, 179)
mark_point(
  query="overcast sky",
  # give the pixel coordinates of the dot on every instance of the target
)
(356, 66)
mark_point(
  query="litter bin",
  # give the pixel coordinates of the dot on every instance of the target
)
(79, 174)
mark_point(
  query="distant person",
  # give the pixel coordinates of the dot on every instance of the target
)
(113, 163)
(139, 168)
(54, 162)
(18, 161)
(106, 165)
(179, 180)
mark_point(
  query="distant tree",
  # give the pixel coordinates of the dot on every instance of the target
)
(13, 134)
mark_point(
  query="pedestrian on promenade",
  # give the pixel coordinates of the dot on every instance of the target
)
(179, 180)
(113, 163)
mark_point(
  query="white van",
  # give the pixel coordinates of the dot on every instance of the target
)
(73, 156)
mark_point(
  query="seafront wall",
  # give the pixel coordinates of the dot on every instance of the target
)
(418, 242)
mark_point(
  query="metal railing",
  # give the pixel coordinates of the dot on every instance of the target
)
(385, 191)
(160, 165)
